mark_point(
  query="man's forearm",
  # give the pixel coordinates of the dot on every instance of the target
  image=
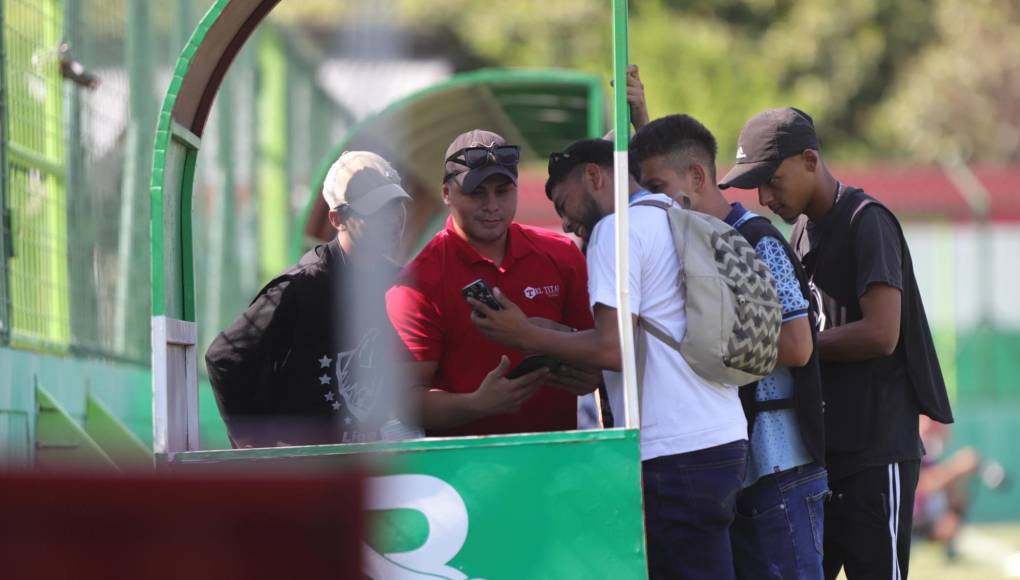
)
(442, 410)
(856, 341)
(586, 348)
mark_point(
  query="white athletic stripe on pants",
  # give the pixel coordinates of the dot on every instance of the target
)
(894, 516)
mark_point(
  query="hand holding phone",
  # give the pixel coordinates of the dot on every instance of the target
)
(533, 363)
(499, 393)
(481, 292)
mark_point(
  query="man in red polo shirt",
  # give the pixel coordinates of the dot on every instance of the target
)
(466, 391)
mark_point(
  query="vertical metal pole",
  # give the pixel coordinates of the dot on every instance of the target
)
(81, 215)
(273, 187)
(945, 305)
(221, 218)
(621, 171)
(979, 199)
(59, 330)
(596, 117)
(6, 237)
(136, 167)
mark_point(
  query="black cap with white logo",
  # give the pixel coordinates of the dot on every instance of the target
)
(765, 141)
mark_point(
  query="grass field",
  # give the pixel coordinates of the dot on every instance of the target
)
(986, 552)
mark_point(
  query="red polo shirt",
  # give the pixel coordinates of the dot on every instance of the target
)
(543, 273)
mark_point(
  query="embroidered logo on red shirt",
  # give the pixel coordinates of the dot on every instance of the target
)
(551, 291)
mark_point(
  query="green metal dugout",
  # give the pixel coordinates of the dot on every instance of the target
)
(551, 505)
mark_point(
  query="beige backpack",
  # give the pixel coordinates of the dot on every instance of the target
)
(733, 311)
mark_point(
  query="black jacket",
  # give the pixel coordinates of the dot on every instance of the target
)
(307, 363)
(807, 398)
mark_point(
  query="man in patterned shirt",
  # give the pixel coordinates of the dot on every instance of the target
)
(778, 526)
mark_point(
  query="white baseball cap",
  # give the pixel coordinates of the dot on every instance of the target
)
(364, 181)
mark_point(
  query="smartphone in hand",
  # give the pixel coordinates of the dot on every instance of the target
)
(533, 363)
(481, 292)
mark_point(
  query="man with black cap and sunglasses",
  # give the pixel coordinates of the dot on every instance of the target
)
(465, 390)
(878, 363)
(312, 359)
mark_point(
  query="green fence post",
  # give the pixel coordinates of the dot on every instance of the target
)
(221, 220)
(273, 205)
(5, 216)
(81, 217)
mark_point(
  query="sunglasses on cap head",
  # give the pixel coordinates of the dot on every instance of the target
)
(480, 156)
(556, 159)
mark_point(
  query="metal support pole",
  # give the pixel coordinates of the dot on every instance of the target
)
(6, 236)
(221, 219)
(80, 208)
(136, 170)
(621, 110)
(979, 199)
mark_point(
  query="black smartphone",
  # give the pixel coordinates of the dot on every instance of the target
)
(533, 363)
(481, 292)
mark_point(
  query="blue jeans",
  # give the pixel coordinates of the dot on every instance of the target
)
(778, 531)
(689, 504)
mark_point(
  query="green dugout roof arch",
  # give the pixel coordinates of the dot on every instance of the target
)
(542, 110)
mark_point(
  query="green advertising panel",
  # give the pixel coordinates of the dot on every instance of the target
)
(558, 505)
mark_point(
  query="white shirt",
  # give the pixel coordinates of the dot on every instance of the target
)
(680, 411)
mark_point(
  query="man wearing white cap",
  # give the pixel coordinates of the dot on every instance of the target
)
(311, 359)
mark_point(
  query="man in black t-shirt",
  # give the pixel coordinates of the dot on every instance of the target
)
(879, 369)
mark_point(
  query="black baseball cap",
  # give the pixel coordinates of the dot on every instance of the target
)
(597, 151)
(470, 179)
(765, 141)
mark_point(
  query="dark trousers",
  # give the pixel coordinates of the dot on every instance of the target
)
(779, 527)
(689, 505)
(868, 520)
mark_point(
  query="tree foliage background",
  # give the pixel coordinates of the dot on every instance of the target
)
(913, 80)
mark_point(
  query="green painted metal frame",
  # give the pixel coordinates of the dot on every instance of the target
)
(176, 135)
(404, 446)
(47, 158)
(480, 78)
(123, 447)
(6, 236)
(273, 184)
(63, 444)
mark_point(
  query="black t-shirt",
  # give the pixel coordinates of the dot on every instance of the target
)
(891, 428)
(878, 256)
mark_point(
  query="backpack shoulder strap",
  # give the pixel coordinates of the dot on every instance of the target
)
(652, 203)
(644, 328)
(865, 203)
(658, 332)
(756, 228)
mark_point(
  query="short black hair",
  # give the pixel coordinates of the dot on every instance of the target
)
(597, 151)
(673, 134)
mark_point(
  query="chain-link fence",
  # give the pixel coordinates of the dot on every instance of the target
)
(82, 84)
(35, 220)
